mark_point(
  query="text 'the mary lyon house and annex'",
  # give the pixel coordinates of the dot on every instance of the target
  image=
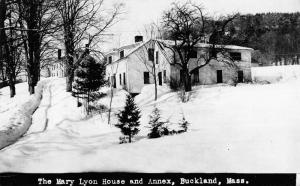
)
(129, 67)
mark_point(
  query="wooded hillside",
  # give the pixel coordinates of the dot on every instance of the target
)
(274, 36)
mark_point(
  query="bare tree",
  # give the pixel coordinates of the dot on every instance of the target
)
(146, 56)
(111, 83)
(15, 58)
(37, 19)
(48, 53)
(187, 25)
(10, 44)
(153, 31)
(83, 22)
(146, 53)
(3, 16)
(2, 67)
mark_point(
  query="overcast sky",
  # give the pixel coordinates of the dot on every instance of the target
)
(142, 12)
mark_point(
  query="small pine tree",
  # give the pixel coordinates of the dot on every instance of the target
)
(157, 128)
(129, 118)
(184, 124)
(89, 77)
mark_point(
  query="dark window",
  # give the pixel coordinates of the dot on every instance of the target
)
(120, 76)
(151, 54)
(59, 53)
(159, 78)
(146, 78)
(193, 54)
(121, 54)
(113, 79)
(108, 80)
(236, 56)
(124, 79)
(196, 76)
(219, 76)
(240, 76)
(165, 76)
(213, 53)
(157, 57)
(110, 59)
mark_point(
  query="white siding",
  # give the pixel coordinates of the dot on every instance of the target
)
(135, 64)
(208, 74)
(117, 68)
(138, 63)
(58, 69)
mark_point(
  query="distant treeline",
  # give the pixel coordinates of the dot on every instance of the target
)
(275, 37)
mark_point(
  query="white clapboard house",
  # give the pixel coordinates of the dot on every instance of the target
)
(58, 67)
(129, 67)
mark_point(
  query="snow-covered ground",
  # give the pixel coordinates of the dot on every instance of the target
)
(9, 105)
(17, 112)
(248, 128)
(274, 74)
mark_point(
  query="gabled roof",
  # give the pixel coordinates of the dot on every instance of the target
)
(134, 47)
(129, 48)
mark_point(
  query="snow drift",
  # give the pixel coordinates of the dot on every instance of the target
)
(274, 74)
(148, 93)
(247, 128)
(20, 121)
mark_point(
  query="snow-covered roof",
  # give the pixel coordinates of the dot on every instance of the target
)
(232, 47)
(206, 45)
(128, 48)
(133, 47)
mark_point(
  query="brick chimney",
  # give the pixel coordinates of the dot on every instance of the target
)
(59, 54)
(138, 39)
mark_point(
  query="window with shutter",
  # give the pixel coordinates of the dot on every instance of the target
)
(146, 78)
(151, 54)
(124, 79)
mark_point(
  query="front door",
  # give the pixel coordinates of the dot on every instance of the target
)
(219, 76)
(159, 78)
(240, 76)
